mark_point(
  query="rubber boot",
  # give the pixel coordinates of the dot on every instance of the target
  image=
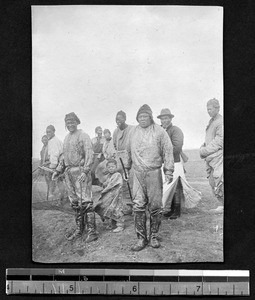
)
(155, 221)
(79, 228)
(91, 227)
(140, 228)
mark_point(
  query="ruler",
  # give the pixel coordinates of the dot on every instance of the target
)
(128, 282)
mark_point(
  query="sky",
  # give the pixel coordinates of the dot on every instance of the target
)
(96, 60)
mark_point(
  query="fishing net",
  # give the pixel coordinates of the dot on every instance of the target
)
(52, 195)
(48, 194)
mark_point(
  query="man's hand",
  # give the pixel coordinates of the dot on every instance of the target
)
(202, 152)
(126, 178)
(55, 175)
(169, 178)
(82, 177)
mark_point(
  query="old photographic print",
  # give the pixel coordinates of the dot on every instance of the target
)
(127, 134)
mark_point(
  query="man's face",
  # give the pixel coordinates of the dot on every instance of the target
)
(50, 133)
(99, 132)
(165, 121)
(212, 111)
(107, 135)
(111, 167)
(120, 120)
(144, 120)
(45, 141)
(71, 125)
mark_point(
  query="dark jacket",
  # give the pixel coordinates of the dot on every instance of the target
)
(176, 136)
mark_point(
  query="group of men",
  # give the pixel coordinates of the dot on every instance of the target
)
(141, 152)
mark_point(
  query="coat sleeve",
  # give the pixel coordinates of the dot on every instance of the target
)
(88, 152)
(114, 139)
(216, 144)
(128, 161)
(177, 140)
(167, 152)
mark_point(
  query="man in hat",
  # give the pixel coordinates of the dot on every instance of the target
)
(173, 208)
(149, 147)
(212, 152)
(76, 162)
(120, 141)
(97, 144)
(55, 149)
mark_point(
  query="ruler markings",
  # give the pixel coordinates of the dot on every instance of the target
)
(235, 284)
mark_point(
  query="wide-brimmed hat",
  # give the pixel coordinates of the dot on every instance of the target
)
(165, 112)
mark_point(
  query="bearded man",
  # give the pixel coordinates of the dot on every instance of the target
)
(149, 147)
(76, 162)
(212, 152)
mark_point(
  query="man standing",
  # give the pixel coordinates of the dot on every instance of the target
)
(76, 162)
(149, 147)
(55, 149)
(173, 209)
(212, 152)
(97, 144)
(120, 141)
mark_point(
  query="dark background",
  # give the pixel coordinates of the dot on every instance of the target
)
(16, 139)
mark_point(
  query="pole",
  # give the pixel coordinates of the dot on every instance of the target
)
(126, 178)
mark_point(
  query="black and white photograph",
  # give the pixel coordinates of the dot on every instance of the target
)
(127, 117)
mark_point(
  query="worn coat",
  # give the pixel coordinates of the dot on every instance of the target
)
(149, 148)
(110, 203)
(77, 158)
(212, 152)
(176, 136)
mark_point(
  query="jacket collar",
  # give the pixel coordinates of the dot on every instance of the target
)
(169, 126)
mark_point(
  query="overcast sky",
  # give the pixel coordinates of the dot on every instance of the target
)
(97, 60)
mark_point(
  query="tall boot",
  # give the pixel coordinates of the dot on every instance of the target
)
(79, 228)
(91, 227)
(155, 221)
(140, 228)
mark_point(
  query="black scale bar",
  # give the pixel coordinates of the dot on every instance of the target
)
(166, 278)
(21, 277)
(141, 278)
(117, 278)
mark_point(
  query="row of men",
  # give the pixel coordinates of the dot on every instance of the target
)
(146, 148)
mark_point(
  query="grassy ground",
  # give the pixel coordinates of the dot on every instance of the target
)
(195, 237)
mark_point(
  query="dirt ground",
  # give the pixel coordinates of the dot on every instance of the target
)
(197, 236)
